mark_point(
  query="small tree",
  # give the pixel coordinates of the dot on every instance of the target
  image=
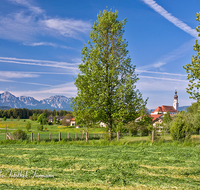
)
(4, 118)
(55, 119)
(34, 117)
(66, 119)
(65, 122)
(143, 123)
(40, 128)
(18, 118)
(180, 128)
(42, 119)
(194, 108)
(130, 127)
(167, 118)
(28, 126)
(11, 118)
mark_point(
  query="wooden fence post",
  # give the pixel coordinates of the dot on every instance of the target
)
(31, 137)
(109, 134)
(75, 136)
(59, 136)
(38, 136)
(153, 136)
(117, 136)
(49, 136)
(82, 135)
(6, 133)
(86, 136)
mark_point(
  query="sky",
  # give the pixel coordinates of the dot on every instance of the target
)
(41, 42)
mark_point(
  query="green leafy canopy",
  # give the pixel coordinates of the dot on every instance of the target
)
(193, 69)
(106, 82)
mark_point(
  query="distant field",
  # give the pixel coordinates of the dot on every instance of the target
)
(100, 167)
(53, 129)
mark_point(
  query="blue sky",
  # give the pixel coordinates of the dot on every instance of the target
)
(41, 42)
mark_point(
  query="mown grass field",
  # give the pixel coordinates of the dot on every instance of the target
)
(139, 166)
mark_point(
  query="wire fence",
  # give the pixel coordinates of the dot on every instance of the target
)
(61, 136)
(86, 136)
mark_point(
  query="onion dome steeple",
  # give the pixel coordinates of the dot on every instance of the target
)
(175, 104)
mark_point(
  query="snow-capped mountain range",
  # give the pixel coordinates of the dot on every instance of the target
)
(54, 102)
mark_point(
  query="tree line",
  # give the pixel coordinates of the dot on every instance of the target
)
(24, 113)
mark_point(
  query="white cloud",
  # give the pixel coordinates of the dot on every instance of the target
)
(160, 10)
(67, 27)
(28, 74)
(18, 26)
(166, 79)
(171, 56)
(160, 73)
(15, 74)
(27, 4)
(38, 61)
(27, 25)
(49, 73)
(5, 80)
(158, 65)
(73, 68)
(46, 44)
(12, 81)
(67, 89)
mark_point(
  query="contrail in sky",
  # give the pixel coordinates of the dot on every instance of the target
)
(160, 10)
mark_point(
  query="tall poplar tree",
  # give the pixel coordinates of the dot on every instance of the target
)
(106, 82)
(193, 69)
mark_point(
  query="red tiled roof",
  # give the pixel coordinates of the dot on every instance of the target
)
(165, 109)
(73, 119)
(154, 117)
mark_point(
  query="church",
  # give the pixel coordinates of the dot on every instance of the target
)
(159, 112)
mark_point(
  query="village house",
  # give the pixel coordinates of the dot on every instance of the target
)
(72, 122)
(58, 118)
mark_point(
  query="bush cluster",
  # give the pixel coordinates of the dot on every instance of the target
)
(20, 134)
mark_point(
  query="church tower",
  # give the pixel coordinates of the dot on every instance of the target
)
(175, 104)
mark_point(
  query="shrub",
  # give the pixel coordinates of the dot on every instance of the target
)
(42, 119)
(18, 118)
(40, 128)
(157, 135)
(4, 118)
(66, 121)
(34, 117)
(11, 118)
(180, 129)
(28, 126)
(20, 134)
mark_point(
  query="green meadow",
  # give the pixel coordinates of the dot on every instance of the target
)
(131, 163)
(61, 165)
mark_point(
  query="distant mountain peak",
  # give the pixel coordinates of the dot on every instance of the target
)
(7, 93)
(54, 102)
